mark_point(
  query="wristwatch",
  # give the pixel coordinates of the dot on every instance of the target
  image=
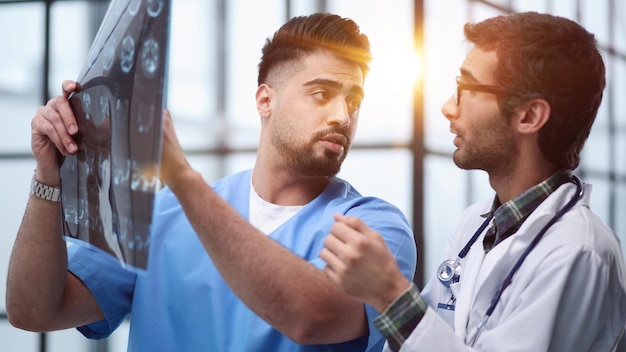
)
(42, 191)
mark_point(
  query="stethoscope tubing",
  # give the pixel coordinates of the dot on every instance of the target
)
(509, 278)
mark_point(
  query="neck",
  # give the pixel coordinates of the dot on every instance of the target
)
(282, 187)
(511, 184)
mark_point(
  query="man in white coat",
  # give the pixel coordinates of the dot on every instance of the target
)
(532, 269)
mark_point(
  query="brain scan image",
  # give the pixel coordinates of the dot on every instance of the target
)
(108, 186)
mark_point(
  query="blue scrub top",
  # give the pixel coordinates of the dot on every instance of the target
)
(181, 302)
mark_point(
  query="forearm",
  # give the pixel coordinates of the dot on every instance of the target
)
(38, 267)
(282, 288)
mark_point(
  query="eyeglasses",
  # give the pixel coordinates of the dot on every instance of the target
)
(484, 88)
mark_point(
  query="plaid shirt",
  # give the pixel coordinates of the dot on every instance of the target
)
(402, 316)
(508, 217)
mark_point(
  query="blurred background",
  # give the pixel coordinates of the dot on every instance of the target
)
(403, 148)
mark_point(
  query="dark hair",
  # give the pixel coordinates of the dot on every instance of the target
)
(548, 57)
(320, 31)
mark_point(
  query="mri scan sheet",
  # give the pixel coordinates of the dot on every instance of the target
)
(108, 186)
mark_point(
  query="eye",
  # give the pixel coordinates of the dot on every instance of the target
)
(321, 95)
(354, 104)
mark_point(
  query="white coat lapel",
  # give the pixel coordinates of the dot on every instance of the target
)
(493, 267)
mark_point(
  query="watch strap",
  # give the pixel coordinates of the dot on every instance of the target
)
(43, 191)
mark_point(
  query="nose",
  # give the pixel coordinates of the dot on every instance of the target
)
(340, 115)
(449, 109)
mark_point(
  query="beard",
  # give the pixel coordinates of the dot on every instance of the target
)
(493, 151)
(303, 158)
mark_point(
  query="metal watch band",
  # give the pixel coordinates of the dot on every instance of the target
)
(46, 192)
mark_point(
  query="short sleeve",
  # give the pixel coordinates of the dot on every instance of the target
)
(108, 281)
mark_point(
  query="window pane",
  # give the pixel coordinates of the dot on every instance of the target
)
(17, 340)
(58, 341)
(563, 8)
(248, 25)
(70, 41)
(21, 67)
(596, 153)
(531, 5)
(193, 75)
(594, 15)
(618, 11)
(444, 55)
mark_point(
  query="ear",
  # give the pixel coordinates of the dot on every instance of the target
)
(533, 115)
(264, 100)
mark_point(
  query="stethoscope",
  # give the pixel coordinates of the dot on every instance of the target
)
(449, 271)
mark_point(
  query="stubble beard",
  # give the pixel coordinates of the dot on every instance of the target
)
(495, 156)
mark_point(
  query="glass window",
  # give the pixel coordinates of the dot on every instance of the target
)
(193, 74)
(596, 153)
(533, 5)
(443, 56)
(248, 25)
(21, 67)
(70, 41)
(594, 15)
(618, 11)
(561, 8)
(17, 340)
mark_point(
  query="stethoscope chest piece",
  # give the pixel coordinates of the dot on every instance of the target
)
(449, 272)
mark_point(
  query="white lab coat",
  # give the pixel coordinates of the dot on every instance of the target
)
(569, 294)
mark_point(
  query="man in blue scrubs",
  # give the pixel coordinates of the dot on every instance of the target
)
(233, 266)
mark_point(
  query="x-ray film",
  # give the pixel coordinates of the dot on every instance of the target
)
(108, 186)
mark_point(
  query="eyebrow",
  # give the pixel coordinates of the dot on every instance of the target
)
(467, 74)
(355, 89)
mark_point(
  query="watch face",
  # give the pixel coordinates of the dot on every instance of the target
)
(110, 183)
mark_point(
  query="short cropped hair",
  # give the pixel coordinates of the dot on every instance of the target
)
(552, 58)
(317, 32)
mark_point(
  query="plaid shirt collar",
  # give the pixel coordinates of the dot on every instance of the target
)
(508, 217)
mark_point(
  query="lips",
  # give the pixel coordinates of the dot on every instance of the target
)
(336, 139)
(335, 142)
(457, 138)
(456, 141)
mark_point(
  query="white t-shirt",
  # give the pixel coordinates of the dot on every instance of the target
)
(267, 216)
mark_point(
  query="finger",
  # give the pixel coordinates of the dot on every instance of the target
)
(343, 232)
(353, 222)
(331, 259)
(334, 245)
(50, 122)
(166, 115)
(68, 87)
(62, 105)
(334, 266)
